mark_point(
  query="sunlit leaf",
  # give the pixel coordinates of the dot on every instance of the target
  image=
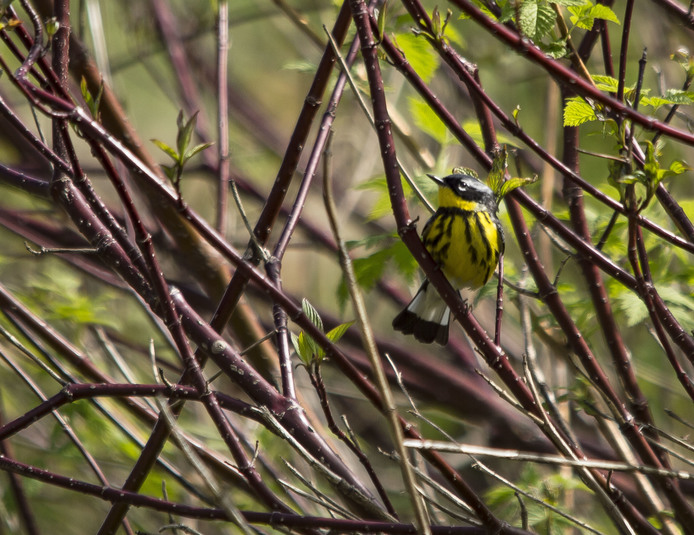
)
(198, 148)
(426, 120)
(338, 332)
(577, 112)
(311, 313)
(420, 55)
(168, 150)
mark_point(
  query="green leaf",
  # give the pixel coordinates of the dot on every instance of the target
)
(426, 120)
(584, 16)
(168, 150)
(371, 241)
(382, 19)
(308, 349)
(567, 3)
(403, 259)
(515, 183)
(419, 54)
(338, 332)
(678, 96)
(632, 307)
(527, 18)
(677, 168)
(556, 49)
(296, 344)
(546, 18)
(92, 102)
(654, 102)
(185, 132)
(367, 270)
(577, 111)
(605, 83)
(171, 171)
(465, 171)
(311, 313)
(380, 208)
(473, 129)
(301, 66)
(198, 148)
(497, 175)
(601, 11)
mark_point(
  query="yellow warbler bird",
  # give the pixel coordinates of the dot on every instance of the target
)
(465, 239)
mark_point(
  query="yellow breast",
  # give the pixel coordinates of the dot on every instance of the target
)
(464, 241)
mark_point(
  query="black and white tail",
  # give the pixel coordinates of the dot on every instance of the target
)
(427, 317)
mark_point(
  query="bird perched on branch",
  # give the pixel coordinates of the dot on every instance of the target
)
(465, 239)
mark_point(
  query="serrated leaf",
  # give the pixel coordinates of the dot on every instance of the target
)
(601, 11)
(338, 332)
(556, 49)
(567, 3)
(678, 167)
(311, 313)
(605, 83)
(527, 18)
(426, 120)
(546, 17)
(577, 111)
(678, 96)
(584, 16)
(632, 307)
(654, 102)
(419, 54)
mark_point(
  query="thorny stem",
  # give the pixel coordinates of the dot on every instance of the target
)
(317, 381)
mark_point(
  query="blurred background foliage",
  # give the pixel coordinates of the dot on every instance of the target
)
(272, 61)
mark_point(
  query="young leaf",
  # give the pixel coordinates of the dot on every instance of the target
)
(198, 148)
(338, 332)
(382, 19)
(427, 121)
(311, 313)
(527, 18)
(577, 111)
(168, 150)
(498, 173)
(584, 16)
(185, 132)
(515, 183)
(419, 54)
(605, 83)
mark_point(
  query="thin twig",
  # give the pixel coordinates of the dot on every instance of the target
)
(376, 365)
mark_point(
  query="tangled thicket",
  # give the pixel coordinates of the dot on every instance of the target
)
(210, 215)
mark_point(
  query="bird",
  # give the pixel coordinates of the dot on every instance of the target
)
(466, 239)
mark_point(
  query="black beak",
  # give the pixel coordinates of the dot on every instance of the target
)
(439, 181)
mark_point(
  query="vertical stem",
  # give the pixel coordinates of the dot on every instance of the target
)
(222, 115)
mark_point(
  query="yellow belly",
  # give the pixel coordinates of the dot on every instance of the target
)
(466, 252)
